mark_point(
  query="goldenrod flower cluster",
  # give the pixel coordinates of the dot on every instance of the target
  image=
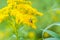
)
(21, 10)
(18, 11)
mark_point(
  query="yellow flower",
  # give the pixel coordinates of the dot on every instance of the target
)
(29, 9)
(2, 17)
(46, 35)
(19, 18)
(23, 12)
(10, 1)
(31, 34)
(33, 26)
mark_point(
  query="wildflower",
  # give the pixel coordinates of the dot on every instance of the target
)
(2, 17)
(23, 12)
(46, 35)
(31, 34)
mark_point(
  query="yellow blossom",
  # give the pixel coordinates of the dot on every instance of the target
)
(2, 17)
(31, 34)
(23, 12)
(46, 35)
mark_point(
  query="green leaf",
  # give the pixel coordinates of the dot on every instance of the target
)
(53, 34)
(52, 39)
